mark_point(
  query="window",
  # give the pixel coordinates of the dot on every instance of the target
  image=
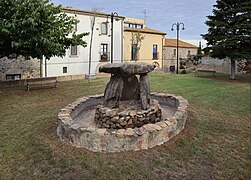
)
(188, 53)
(138, 26)
(104, 52)
(126, 25)
(174, 52)
(134, 52)
(76, 27)
(64, 69)
(104, 28)
(74, 50)
(13, 76)
(155, 51)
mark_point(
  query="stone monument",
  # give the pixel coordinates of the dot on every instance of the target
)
(124, 84)
(126, 117)
(125, 96)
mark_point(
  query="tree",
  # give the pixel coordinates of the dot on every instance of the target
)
(229, 31)
(198, 56)
(36, 28)
(136, 40)
(92, 21)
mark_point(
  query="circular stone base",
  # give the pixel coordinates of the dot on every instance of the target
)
(129, 115)
(76, 125)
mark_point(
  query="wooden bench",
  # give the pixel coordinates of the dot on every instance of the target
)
(43, 81)
(206, 71)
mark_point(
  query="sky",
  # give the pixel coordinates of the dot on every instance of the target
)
(161, 14)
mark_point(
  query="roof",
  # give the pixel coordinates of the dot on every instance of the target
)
(69, 9)
(173, 43)
(144, 30)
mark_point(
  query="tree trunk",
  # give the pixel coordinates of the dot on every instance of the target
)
(90, 50)
(232, 73)
(41, 66)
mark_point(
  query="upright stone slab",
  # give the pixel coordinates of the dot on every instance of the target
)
(131, 88)
(113, 91)
(144, 91)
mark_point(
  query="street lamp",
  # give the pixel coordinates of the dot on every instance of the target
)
(112, 19)
(178, 28)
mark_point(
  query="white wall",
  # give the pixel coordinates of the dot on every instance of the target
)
(80, 64)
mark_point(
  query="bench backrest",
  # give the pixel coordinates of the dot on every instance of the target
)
(41, 79)
(205, 70)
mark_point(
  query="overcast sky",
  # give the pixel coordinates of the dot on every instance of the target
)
(161, 14)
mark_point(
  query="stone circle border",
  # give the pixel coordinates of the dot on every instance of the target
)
(116, 140)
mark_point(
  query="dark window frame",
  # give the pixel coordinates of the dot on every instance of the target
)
(13, 77)
(134, 52)
(155, 51)
(104, 52)
(65, 70)
(74, 50)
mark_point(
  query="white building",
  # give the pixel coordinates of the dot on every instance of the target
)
(76, 60)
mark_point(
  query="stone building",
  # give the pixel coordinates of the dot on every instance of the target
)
(186, 52)
(18, 68)
(151, 48)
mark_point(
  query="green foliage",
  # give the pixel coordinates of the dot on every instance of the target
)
(137, 39)
(197, 58)
(33, 28)
(230, 29)
(183, 72)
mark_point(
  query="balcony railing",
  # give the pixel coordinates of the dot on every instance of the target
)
(155, 56)
(104, 57)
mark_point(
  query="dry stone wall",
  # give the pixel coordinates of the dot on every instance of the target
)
(129, 118)
(115, 140)
(26, 68)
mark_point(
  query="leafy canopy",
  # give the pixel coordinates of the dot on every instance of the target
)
(33, 28)
(230, 29)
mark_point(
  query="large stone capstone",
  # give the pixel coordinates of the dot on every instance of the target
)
(125, 86)
(127, 69)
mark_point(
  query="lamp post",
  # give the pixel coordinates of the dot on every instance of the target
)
(178, 28)
(112, 20)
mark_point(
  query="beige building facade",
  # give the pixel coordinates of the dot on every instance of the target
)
(186, 52)
(149, 49)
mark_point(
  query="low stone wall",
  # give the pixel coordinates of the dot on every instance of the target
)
(113, 118)
(23, 82)
(115, 140)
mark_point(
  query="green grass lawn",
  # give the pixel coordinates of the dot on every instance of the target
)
(214, 145)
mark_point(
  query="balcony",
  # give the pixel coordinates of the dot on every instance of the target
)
(155, 56)
(104, 57)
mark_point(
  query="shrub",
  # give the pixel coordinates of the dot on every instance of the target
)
(183, 72)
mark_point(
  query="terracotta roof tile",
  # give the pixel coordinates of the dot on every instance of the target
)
(173, 43)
